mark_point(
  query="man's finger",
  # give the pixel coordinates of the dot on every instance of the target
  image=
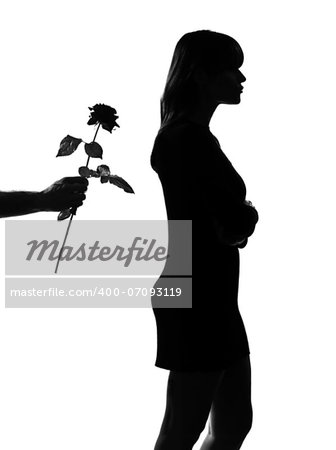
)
(78, 203)
(75, 200)
(74, 187)
(74, 180)
(79, 197)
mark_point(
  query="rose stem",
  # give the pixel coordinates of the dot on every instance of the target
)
(67, 231)
(87, 162)
(65, 238)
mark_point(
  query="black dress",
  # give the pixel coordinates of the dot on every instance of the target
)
(200, 183)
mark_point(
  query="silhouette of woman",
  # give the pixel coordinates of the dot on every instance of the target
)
(204, 347)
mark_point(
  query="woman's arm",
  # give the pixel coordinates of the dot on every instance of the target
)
(227, 237)
(234, 221)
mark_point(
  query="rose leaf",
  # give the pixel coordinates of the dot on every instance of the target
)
(64, 214)
(84, 172)
(104, 179)
(121, 183)
(94, 150)
(94, 174)
(103, 170)
(68, 145)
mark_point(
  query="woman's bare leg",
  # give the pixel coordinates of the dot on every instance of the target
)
(231, 410)
(189, 399)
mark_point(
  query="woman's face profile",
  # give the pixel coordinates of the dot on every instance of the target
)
(226, 86)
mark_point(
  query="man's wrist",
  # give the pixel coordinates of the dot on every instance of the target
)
(39, 202)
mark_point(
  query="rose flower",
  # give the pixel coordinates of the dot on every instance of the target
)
(105, 115)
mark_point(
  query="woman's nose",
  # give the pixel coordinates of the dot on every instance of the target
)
(242, 78)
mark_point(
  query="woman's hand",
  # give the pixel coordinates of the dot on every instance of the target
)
(227, 238)
(64, 194)
(231, 238)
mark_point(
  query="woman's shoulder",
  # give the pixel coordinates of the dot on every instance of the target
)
(186, 137)
(178, 142)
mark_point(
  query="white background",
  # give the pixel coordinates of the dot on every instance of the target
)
(85, 378)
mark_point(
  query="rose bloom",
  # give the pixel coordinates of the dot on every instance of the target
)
(105, 115)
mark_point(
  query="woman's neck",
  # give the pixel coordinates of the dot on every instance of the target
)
(201, 114)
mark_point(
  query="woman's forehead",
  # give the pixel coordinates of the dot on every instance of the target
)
(237, 54)
(230, 55)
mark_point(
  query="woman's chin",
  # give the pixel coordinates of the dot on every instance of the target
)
(238, 98)
(232, 101)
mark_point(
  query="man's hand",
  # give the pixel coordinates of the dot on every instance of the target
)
(64, 194)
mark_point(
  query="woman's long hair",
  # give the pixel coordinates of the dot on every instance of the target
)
(204, 49)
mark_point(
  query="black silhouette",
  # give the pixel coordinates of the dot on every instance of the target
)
(62, 194)
(205, 348)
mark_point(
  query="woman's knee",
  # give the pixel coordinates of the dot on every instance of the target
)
(189, 398)
(245, 426)
(232, 440)
(243, 423)
(171, 440)
(234, 435)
